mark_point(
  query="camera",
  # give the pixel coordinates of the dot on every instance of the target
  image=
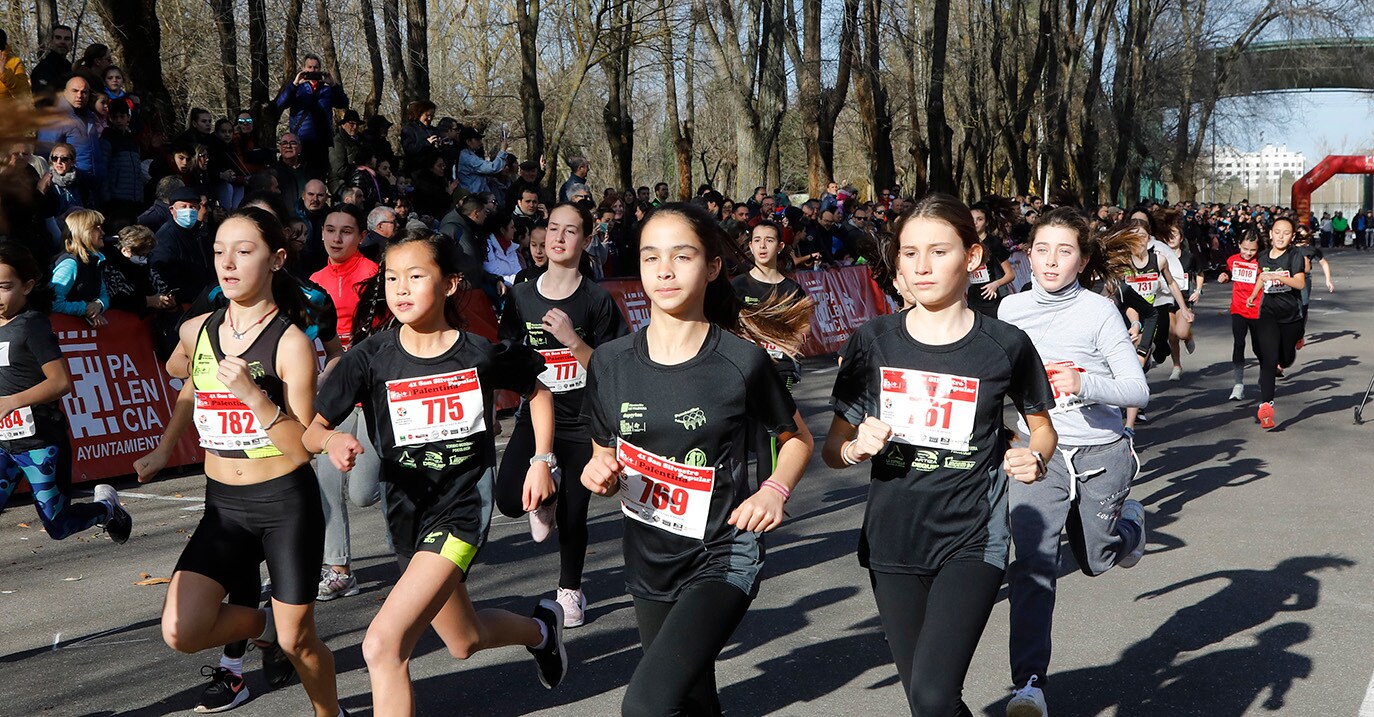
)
(312, 76)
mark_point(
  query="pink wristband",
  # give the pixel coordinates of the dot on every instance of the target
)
(770, 483)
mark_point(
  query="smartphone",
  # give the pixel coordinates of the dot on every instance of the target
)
(505, 131)
(312, 76)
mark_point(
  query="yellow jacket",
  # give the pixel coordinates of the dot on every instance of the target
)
(14, 79)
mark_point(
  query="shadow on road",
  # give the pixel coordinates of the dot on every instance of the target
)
(1149, 679)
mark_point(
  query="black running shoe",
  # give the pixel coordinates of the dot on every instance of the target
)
(551, 659)
(276, 666)
(225, 691)
(120, 524)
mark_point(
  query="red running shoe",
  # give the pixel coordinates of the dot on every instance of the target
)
(1301, 342)
(1266, 415)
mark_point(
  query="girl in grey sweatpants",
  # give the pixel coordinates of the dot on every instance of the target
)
(1092, 365)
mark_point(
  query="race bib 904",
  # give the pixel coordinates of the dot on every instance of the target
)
(562, 372)
(668, 495)
(227, 424)
(18, 424)
(929, 409)
(442, 407)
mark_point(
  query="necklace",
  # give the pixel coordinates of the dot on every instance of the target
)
(238, 335)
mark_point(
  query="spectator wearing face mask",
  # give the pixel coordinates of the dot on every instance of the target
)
(182, 253)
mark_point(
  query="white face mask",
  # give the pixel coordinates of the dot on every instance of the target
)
(140, 260)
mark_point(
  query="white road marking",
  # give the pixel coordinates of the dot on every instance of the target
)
(1367, 707)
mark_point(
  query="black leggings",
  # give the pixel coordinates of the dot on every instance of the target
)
(280, 521)
(573, 497)
(1240, 326)
(1277, 345)
(681, 641)
(933, 624)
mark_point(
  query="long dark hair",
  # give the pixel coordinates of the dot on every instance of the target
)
(287, 293)
(780, 320)
(374, 316)
(19, 258)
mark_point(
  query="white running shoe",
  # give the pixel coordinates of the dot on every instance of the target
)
(1238, 392)
(574, 604)
(1133, 511)
(335, 584)
(1176, 374)
(542, 519)
(1029, 701)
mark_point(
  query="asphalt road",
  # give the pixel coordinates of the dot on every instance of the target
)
(1254, 597)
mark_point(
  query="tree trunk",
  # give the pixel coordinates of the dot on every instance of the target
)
(373, 102)
(938, 133)
(417, 49)
(531, 102)
(917, 150)
(259, 71)
(46, 11)
(391, 24)
(329, 53)
(872, 100)
(136, 36)
(228, 53)
(615, 116)
(680, 133)
(819, 106)
(772, 84)
(291, 40)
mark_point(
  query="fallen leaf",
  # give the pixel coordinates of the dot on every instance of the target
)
(144, 576)
(176, 495)
(23, 525)
(154, 581)
(72, 580)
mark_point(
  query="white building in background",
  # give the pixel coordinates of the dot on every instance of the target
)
(1258, 169)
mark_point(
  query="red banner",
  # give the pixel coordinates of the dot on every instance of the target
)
(121, 399)
(845, 297)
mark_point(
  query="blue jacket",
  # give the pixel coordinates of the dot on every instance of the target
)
(311, 106)
(473, 171)
(75, 285)
(124, 175)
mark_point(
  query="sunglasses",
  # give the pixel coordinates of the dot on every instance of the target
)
(59, 158)
(244, 120)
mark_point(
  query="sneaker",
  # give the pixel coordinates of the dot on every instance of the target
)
(1029, 701)
(334, 584)
(1266, 415)
(1177, 373)
(574, 605)
(225, 691)
(1190, 345)
(1237, 392)
(1278, 372)
(1301, 343)
(276, 666)
(551, 659)
(120, 524)
(1142, 418)
(542, 519)
(1133, 511)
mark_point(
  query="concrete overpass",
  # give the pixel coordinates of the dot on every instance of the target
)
(1324, 64)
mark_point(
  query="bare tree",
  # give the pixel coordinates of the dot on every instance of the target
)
(328, 52)
(820, 106)
(527, 14)
(417, 50)
(615, 116)
(228, 52)
(680, 131)
(259, 86)
(870, 95)
(135, 34)
(391, 21)
(46, 11)
(373, 101)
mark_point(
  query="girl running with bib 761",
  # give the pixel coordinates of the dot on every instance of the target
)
(920, 395)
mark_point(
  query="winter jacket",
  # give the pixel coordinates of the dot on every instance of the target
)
(311, 106)
(124, 175)
(343, 158)
(14, 79)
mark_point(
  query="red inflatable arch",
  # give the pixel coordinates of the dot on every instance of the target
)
(1325, 170)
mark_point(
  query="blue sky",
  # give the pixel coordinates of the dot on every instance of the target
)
(1318, 123)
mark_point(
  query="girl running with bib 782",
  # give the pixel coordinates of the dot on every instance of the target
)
(425, 386)
(920, 394)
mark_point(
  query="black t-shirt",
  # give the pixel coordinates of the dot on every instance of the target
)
(696, 413)
(927, 504)
(752, 292)
(445, 442)
(1281, 302)
(26, 343)
(594, 316)
(994, 253)
(1311, 255)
